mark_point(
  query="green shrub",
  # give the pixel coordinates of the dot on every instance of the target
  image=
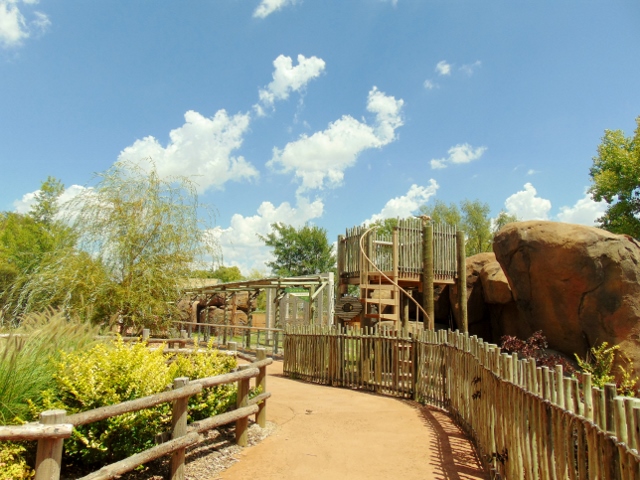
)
(113, 373)
(13, 465)
(599, 363)
(27, 369)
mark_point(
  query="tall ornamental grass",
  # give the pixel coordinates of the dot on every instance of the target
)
(28, 356)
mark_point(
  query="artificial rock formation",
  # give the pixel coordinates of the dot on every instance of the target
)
(490, 308)
(579, 285)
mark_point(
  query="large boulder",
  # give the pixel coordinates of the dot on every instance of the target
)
(579, 285)
(478, 315)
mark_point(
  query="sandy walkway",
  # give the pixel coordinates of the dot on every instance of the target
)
(335, 433)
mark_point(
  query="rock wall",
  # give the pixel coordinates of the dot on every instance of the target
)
(579, 285)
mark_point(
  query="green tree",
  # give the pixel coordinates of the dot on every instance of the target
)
(299, 251)
(222, 273)
(477, 226)
(47, 205)
(440, 212)
(138, 236)
(26, 240)
(501, 220)
(615, 177)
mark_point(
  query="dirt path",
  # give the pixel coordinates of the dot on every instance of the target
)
(335, 433)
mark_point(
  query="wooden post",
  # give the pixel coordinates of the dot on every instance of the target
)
(179, 429)
(261, 382)
(242, 401)
(146, 333)
(312, 307)
(49, 453)
(610, 393)
(427, 272)
(225, 319)
(462, 282)
(233, 346)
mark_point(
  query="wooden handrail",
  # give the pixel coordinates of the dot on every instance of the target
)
(55, 426)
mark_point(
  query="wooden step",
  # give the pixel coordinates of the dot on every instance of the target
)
(382, 301)
(376, 286)
(383, 316)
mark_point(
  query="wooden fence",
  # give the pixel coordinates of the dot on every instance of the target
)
(379, 248)
(55, 425)
(527, 422)
(248, 337)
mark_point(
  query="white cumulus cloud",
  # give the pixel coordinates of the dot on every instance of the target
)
(405, 205)
(526, 205)
(28, 200)
(240, 243)
(430, 85)
(470, 68)
(14, 27)
(267, 7)
(288, 78)
(584, 212)
(320, 160)
(443, 68)
(201, 148)
(461, 153)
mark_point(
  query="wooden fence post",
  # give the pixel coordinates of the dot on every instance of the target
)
(261, 382)
(242, 401)
(462, 282)
(179, 429)
(146, 333)
(49, 453)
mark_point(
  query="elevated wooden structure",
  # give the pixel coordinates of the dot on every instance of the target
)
(392, 268)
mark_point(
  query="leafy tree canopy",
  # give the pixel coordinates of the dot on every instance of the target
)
(25, 240)
(222, 273)
(472, 217)
(299, 251)
(137, 237)
(47, 205)
(615, 177)
(440, 212)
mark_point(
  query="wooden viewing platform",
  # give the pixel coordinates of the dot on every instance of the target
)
(396, 270)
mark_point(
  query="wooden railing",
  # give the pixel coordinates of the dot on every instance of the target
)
(248, 337)
(410, 254)
(527, 422)
(55, 425)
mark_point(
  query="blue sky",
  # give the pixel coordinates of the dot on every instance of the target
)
(328, 112)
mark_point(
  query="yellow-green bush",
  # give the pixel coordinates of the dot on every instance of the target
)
(13, 465)
(110, 374)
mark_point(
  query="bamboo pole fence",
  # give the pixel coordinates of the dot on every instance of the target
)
(527, 422)
(54, 425)
(410, 257)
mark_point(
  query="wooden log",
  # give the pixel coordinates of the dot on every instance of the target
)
(179, 429)
(35, 432)
(610, 393)
(427, 273)
(462, 281)
(101, 413)
(261, 383)
(227, 377)
(49, 453)
(222, 419)
(128, 464)
(242, 401)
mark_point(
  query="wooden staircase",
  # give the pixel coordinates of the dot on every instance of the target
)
(381, 302)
